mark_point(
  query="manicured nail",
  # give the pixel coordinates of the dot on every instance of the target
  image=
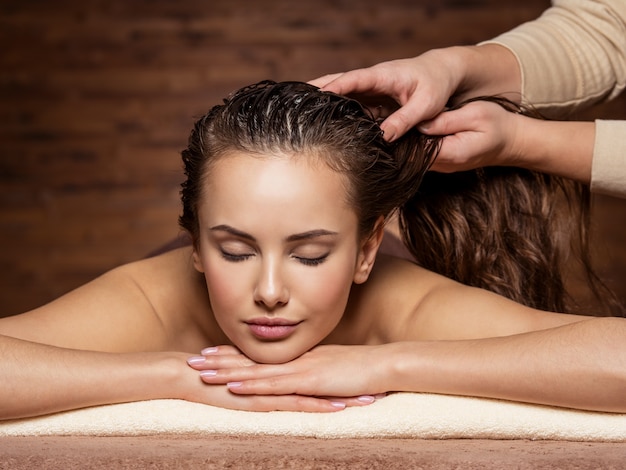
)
(338, 404)
(196, 360)
(208, 373)
(367, 399)
(234, 384)
(211, 350)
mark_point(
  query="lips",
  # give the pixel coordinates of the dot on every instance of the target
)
(272, 328)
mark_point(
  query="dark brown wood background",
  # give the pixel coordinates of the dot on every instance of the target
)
(97, 98)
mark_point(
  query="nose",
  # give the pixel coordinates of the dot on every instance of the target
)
(270, 289)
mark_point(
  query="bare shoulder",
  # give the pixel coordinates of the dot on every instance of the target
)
(149, 304)
(405, 302)
(380, 308)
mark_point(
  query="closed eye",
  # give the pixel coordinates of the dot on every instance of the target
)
(234, 258)
(312, 261)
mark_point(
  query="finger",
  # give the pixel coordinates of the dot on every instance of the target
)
(399, 122)
(416, 109)
(361, 400)
(448, 123)
(367, 81)
(227, 361)
(292, 403)
(276, 385)
(217, 371)
(223, 350)
(454, 155)
(321, 82)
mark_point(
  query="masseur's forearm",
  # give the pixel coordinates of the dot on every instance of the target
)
(562, 148)
(487, 70)
(39, 379)
(580, 365)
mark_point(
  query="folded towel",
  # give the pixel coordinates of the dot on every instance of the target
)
(399, 415)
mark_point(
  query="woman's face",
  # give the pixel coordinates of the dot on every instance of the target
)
(279, 248)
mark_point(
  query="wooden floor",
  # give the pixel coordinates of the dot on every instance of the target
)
(97, 98)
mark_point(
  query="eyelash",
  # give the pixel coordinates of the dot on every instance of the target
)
(305, 261)
(234, 258)
(312, 261)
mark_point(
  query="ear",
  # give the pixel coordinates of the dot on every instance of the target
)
(368, 251)
(197, 261)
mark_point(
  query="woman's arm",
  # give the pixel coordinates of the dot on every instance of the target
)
(115, 340)
(38, 379)
(580, 365)
(41, 379)
(435, 335)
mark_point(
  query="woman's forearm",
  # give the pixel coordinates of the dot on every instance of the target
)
(39, 379)
(581, 365)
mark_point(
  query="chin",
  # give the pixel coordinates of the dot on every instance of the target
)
(267, 354)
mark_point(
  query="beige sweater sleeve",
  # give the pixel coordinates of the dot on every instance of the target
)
(571, 57)
(608, 169)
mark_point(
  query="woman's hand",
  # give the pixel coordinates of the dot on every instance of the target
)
(340, 374)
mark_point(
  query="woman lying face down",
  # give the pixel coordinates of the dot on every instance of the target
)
(282, 205)
(287, 194)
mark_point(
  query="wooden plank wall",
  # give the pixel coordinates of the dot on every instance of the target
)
(97, 98)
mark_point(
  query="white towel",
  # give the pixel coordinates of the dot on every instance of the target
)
(400, 415)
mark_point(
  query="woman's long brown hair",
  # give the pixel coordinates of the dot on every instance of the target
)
(509, 230)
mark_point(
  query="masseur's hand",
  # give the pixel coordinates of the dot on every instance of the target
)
(478, 134)
(347, 373)
(484, 134)
(420, 86)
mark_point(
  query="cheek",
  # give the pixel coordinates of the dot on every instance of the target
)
(328, 290)
(225, 289)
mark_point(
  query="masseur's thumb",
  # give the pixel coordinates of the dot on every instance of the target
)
(446, 123)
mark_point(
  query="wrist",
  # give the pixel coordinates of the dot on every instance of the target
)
(172, 377)
(404, 367)
(153, 376)
(563, 148)
(488, 70)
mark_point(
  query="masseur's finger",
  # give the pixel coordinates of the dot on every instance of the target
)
(450, 122)
(324, 80)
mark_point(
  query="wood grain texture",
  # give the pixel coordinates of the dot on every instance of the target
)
(97, 99)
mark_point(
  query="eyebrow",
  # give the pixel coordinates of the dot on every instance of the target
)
(291, 238)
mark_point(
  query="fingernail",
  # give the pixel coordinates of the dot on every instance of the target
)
(195, 360)
(367, 399)
(389, 135)
(211, 350)
(338, 404)
(208, 373)
(234, 384)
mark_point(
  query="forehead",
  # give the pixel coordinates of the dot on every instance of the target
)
(243, 188)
